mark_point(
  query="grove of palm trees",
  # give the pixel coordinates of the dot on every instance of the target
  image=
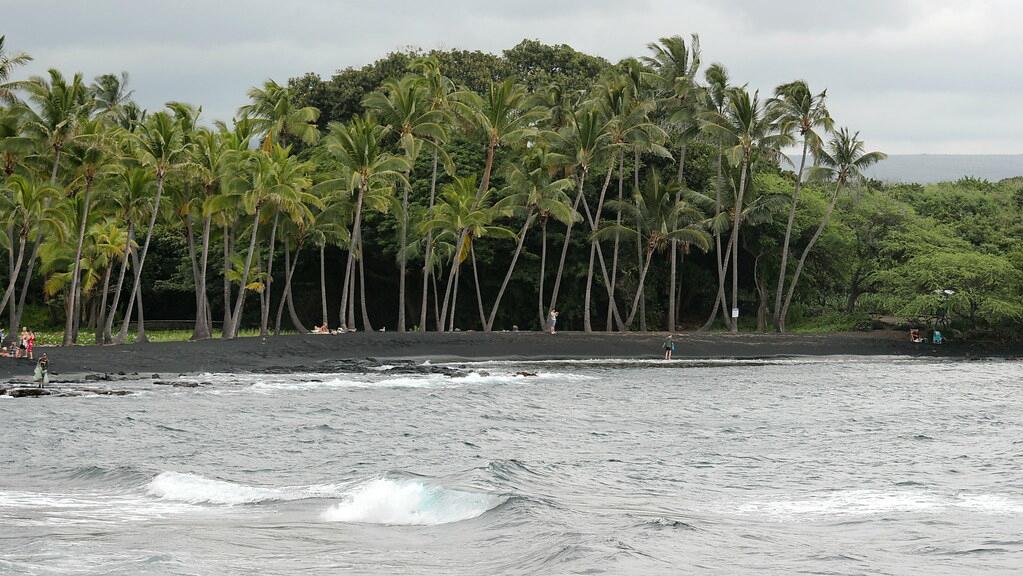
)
(458, 190)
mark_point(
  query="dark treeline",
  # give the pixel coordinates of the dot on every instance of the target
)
(465, 190)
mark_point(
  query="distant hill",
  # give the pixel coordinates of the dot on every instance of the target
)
(929, 168)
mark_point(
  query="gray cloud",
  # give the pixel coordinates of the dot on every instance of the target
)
(912, 75)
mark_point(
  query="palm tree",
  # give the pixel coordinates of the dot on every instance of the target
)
(405, 106)
(676, 65)
(798, 110)
(111, 241)
(161, 148)
(366, 170)
(465, 215)
(440, 88)
(275, 116)
(658, 219)
(130, 204)
(90, 152)
(8, 62)
(58, 107)
(24, 209)
(747, 130)
(532, 193)
(111, 95)
(842, 162)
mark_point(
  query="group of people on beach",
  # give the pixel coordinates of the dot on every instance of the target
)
(916, 338)
(21, 347)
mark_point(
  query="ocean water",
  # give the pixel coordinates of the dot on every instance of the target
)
(814, 466)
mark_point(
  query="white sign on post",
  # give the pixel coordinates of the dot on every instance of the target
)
(735, 312)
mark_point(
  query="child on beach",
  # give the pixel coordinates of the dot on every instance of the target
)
(669, 346)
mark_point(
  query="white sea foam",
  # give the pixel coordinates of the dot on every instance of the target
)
(299, 382)
(872, 502)
(409, 502)
(196, 489)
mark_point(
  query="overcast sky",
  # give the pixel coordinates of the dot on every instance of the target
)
(914, 76)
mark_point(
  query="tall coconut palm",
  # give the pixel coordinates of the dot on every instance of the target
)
(110, 239)
(532, 193)
(800, 111)
(15, 146)
(464, 215)
(57, 108)
(90, 152)
(161, 148)
(24, 210)
(274, 115)
(8, 62)
(747, 130)
(130, 203)
(406, 107)
(676, 65)
(658, 219)
(111, 94)
(842, 162)
(365, 169)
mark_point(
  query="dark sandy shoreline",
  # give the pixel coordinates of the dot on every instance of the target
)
(305, 352)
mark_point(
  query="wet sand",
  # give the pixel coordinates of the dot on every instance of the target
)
(306, 352)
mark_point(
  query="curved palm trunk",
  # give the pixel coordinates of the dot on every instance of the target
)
(806, 252)
(136, 289)
(476, 278)
(264, 318)
(779, 322)
(69, 322)
(429, 250)
(109, 324)
(639, 248)
(618, 222)
(140, 324)
(587, 327)
(362, 286)
(721, 302)
(511, 268)
(24, 287)
(564, 247)
(736, 222)
(488, 168)
(323, 286)
(236, 316)
(454, 299)
(639, 289)
(15, 269)
(452, 274)
(603, 269)
(286, 298)
(720, 298)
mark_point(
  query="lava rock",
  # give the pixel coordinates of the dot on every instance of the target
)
(28, 392)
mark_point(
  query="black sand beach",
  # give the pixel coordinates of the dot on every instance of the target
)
(308, 352)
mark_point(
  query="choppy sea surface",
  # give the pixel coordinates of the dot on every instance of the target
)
(788, 466)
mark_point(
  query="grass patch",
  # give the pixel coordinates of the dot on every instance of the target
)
(56, 337)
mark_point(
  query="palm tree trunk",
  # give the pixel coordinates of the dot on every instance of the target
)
(762, 296)
(69, 332)
(140, 325)
(636, 302)
(77, 316)
(488, 168)
(674, 242)
(323, 285)
(236, 316)
(429, 249)
(24, 287)
(402, 257)
(362, 286)
(189, 234)
(454, 299)
(806, 252)
(346, 292)
(436, 304)
(101, 321)
(455, 264)
(587, 327)
(289, 270)
(736, 222)
(719, 301)
(353, 245)
(15, 269)
(639, 246)
(543, 266)
(109, 325)
(479, 297)
(264, 318)
(228, 319)
(568, 236)
(779, 322)
(136, 289)
(603, 268)
(511, 268)
(202, 325)
(618, 222)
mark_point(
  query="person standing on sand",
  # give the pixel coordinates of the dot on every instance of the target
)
(669, 346)
(31, 343)
(552, 321)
